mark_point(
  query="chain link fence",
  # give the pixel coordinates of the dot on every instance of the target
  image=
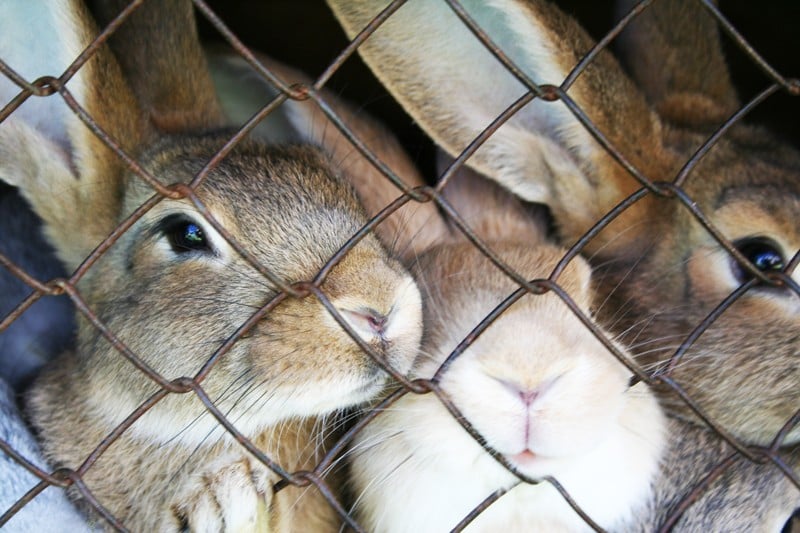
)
(776, 460)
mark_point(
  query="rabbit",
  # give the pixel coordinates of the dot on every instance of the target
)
(172, 289)
(658, 272)
(748, 496)
(49, 511)
(537, 385)
(47, 327)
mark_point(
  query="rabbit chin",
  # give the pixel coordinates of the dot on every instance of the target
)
(431, 474)
(183, 419)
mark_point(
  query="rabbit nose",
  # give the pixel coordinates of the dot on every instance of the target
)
(526, 393)
(528, 396)
(367, 322)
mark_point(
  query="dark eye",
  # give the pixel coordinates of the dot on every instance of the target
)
(764, 253)
(185, 236)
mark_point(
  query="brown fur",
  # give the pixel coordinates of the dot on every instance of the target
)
(288, 208)
(687, 43)
(164, 35)
(412, 228)
(746, 497)
(125, 481)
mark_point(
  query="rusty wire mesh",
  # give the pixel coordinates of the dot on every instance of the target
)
(53, 86)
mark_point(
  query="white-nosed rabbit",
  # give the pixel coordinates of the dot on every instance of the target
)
(537, 385)
(172, 289)
(659, 273)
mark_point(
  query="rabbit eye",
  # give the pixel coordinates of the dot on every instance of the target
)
(764, 253)
(185, 236)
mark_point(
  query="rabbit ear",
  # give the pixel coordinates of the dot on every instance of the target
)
(160, 53)
(454, 88)
(71, 178)
(414, 227)
(65, 171)
(675, 54)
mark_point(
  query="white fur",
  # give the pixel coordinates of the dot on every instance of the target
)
(432, 474)
(229, 496)
(273, 407)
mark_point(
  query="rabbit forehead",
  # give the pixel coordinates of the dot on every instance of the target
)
(463, 287)
(543, 339)
(761, 211)
(251, 171)
(273, 200)
(759, 178)
(746, 185)
(745, 191)
(454, 275)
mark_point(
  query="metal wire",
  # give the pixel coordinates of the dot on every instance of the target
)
(54, 86)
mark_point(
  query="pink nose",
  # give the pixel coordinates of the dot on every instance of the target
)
(376, 321)
(528, 394)
(366, 319)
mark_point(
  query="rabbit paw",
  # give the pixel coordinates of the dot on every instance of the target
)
(228, 496)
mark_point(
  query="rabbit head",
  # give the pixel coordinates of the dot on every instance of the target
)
(555, 387)
(659, 271)
(537, 386)
(171, 287)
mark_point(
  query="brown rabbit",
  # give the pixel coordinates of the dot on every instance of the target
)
(172, 289)
(746, 496)
(659, 272)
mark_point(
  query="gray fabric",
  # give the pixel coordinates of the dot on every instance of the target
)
(50, 510)
(46, 328)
